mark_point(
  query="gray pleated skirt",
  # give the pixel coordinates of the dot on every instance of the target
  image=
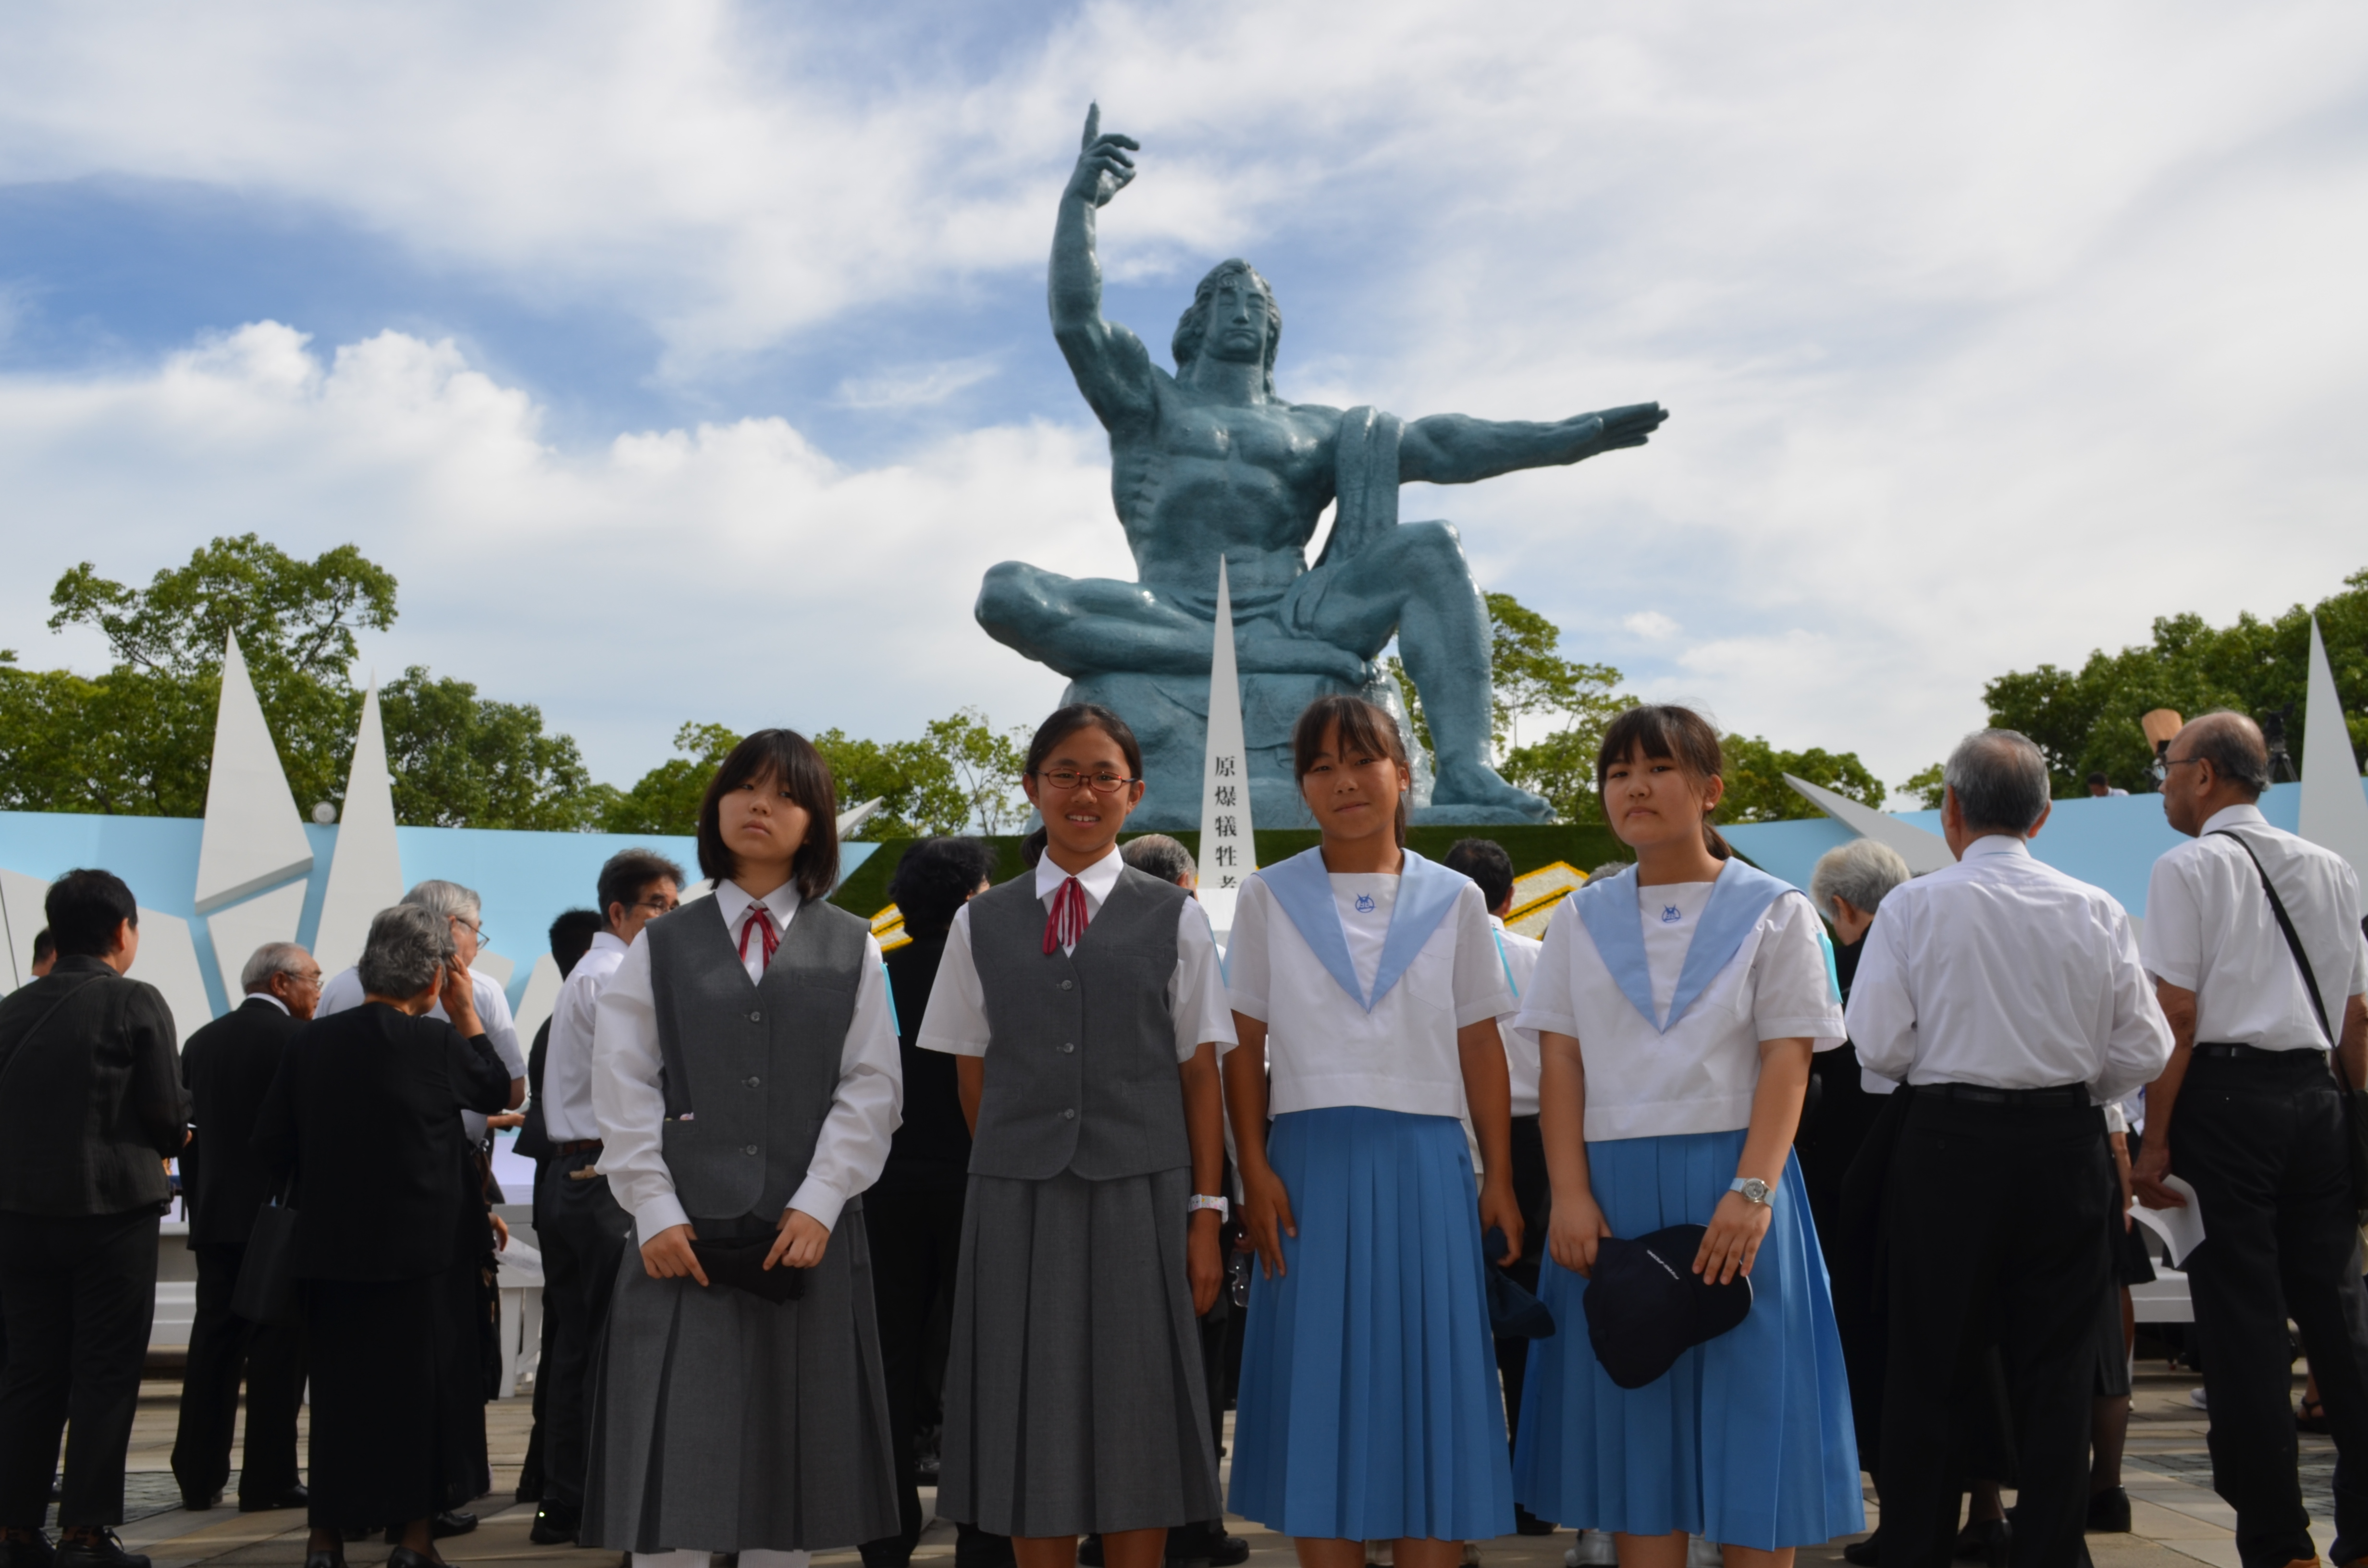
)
(723, 1422)
(1075, 1398)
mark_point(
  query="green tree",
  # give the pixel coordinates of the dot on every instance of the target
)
(666, 799)
(987, 766)
(915, 782)
(2087, 720)
(1756, 791)
(1925, 787)
(1528, 677)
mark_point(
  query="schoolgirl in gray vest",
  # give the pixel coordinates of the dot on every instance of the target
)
(746, 1077)
(1085, 1007)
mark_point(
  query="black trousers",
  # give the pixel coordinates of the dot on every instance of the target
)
(584, 1232)
(223, 1347)
(80, 1296)
(2262, 1141)
(1534, 1190)
(915, 1242)
(1997, 1236)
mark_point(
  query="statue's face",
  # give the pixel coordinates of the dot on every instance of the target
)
(1238, 322)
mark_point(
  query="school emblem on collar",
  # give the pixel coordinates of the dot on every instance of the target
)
(1669, 915)
(1365, 904)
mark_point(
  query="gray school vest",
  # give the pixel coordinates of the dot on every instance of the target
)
(755, 1064)
(1081, 1056)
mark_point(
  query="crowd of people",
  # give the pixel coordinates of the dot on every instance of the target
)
(1664, 1229)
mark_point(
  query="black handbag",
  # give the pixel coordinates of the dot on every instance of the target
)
(2355, 1104)
(266, 1292)
(740, 1265)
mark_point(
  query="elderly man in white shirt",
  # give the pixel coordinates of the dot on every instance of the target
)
(582, 1227)
(2009, 998)
(2249, 1113)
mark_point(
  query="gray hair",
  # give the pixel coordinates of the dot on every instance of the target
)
(272, 958)
(406, 946)
(1156, 854)
(2233, 745)
(447, 899)
(1862, 871)
(2000, 781)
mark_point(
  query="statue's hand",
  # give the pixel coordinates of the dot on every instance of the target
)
(1629, 426)
(1103, 167)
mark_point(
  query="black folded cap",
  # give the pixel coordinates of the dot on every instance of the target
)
(1645, 1306)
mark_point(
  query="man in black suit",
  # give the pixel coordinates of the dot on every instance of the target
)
(227, 1066)
(90, 1109)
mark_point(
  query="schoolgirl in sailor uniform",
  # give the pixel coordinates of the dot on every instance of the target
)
(746, 1077)
(1085, 1008)
(1366, 983)
(1678, 1004)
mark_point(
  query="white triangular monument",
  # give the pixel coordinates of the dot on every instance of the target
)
(366, 874)
(254, 839)
(1228, 853)
(2334, 811)
(1923, 851)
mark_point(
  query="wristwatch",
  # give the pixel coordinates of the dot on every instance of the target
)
(1203, 1200)
(1754, 1190)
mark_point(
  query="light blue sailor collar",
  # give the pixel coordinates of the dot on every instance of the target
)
(1303, 888)
(1738, 900)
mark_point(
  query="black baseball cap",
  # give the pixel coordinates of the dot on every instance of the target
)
(1645, 1306)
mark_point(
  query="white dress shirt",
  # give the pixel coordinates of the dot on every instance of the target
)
(2002, 971)
(1322, 1048)
(1702, 1072)
(1519, 954)
(567, 1057)
(344, 990)
(956, 1022)
(2209, 929)
(630, 1102)
(264, 997)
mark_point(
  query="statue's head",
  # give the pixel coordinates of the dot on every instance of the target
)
(1217, 323)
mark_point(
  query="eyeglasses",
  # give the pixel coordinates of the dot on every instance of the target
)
(476, 928)
(2163, 765)
(658, 905)
(1069, 779)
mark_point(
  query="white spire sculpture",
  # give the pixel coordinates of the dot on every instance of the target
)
(254, 838)
(1228, 852)
(366, 874)
(1923, 851)
(2334, 811)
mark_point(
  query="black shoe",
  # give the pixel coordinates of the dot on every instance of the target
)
(1986, 1540)
(298, 1496)
(199, 1503)
(1527, 1523)
(35, 1551)
(1090, 1551)
(975, 1548)
(1207, 1543)
(554, 1527)
(104, 1550)
(1864, 1554)
(2109, 1511)
(404, 1557)
(324, 1560)
(453, 1521)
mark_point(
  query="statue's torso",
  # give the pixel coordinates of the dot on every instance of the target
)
(1203, 477)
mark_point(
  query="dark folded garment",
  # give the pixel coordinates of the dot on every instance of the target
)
(740, 1266)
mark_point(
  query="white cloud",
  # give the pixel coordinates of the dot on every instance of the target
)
(1651, 625)
(914, 386)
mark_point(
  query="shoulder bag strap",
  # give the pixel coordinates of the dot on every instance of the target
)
(39, 1024)
(2293, 943)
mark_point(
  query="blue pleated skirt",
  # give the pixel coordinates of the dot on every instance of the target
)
(1748, 1439)
(1370, 1408)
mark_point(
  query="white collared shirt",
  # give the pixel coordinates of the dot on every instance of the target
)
(1702, 1072)
(344, 990)
(1323, 1049)
(956, 1022)
(2209, 929)
(2002, 971)
(1518, 956)
(630, 1102)
(266, 997)
(567, 1057)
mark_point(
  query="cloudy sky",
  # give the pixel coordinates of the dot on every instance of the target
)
(689, 361)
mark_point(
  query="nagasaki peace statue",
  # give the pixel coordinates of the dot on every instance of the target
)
(1211, 462)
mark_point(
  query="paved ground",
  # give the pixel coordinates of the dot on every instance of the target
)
(2177, 1521)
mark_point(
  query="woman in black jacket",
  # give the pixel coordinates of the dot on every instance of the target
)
(390, 1229)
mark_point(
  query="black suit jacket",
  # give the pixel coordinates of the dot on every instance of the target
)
(930, 1152)
(90, 1099)
(366, 1110)
(227, 1066)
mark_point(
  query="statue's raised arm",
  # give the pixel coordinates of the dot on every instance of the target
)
(1112, 368)
(1455, 449)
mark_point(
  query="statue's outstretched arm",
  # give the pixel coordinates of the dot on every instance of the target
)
(1111, 366)
(1455, 449)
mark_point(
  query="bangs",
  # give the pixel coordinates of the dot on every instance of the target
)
(1661, 731)
(788, 761)
(1362, 728)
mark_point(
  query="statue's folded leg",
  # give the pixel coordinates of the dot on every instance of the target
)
(1082, 625)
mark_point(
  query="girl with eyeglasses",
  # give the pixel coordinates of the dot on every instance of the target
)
(1085, 1006)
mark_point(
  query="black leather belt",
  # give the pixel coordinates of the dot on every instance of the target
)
(2069, 1097)
(578, 1145)
(2230, 1050)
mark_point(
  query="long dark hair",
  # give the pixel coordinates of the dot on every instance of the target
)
(790, 758)
(1362, 727)
(1680, 734)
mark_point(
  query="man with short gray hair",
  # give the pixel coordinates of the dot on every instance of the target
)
(2249, 1113)
(2009, 997)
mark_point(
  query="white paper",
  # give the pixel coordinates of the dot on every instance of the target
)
(2181, 1229)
